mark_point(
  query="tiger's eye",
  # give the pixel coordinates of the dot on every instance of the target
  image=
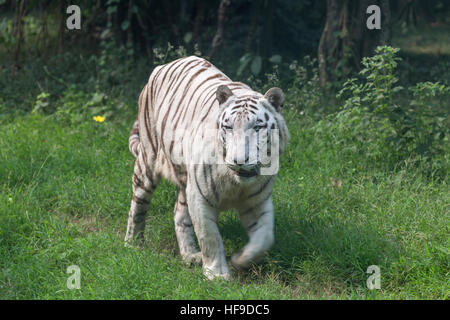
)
(257, 128)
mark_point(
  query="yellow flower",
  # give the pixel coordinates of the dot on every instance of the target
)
(99, 118)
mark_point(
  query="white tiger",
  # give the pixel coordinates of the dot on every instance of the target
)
(189, 108)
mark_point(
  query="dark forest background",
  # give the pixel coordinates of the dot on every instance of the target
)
(240, 36)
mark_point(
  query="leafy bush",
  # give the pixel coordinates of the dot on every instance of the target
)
(161, 56)
(429, 129)
(305, 93)
(375, 121)
(102, 92)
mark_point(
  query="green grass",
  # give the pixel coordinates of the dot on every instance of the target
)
(423, 39)
(65, 193)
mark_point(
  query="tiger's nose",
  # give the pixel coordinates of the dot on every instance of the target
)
(241, 154)
(240, 164)
(240, 160)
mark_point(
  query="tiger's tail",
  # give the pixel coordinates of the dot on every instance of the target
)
(133, 141)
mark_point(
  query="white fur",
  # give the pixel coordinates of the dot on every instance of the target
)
(205, 189)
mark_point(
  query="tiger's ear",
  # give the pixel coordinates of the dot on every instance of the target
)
(275, 96)
(223, 93)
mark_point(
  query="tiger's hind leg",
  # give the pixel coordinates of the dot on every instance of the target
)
(185, 231)
(144, 184)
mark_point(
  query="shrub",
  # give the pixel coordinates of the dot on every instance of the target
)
(377, 122)
(305, 93)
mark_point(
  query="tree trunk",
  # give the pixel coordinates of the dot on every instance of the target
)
(346, 39)
(198, 21)
(268, 29)
(218, 37)
(18, 33)
(257, 4)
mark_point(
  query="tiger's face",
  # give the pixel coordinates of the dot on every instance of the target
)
(246, 126)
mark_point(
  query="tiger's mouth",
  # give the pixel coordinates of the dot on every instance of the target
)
(245, 173)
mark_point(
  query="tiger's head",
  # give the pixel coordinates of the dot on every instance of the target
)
(248, 126)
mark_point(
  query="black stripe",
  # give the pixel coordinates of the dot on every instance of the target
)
(168, 68)
(213, 183)
(169, 87)
(198, 187)
(147, 124)
(138, 183)
(260, 189)
(155, 78)
(140, 201)
(209, 109)
(188, 86)
(263, 213)
(204, 117)
(169, 72)
(251, 226)
(179, 104)
(203, 92)
(147, 169)
(180, 110)
(163, 124)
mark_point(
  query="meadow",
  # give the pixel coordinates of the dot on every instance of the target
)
(66, 190)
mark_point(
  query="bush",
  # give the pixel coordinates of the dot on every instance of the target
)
(305, 92)
(377, 122)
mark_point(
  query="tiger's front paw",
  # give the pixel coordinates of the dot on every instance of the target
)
(218, 274)
(193, 258)
(137, 243)
(241, 261)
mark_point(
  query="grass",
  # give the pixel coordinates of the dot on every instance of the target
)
(66, 190)
(424, 39)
